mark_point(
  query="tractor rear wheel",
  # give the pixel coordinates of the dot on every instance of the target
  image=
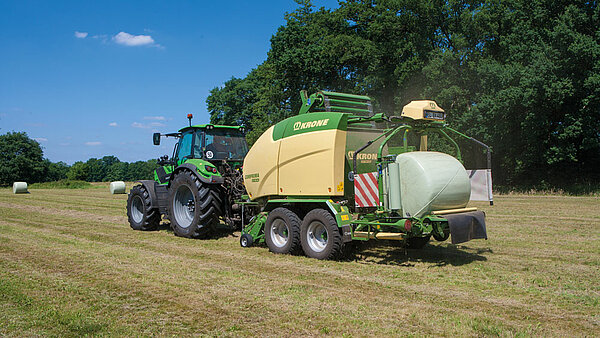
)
(417, 242)
(320, 235)
(282, 231)
(194, 207)
(139, 213)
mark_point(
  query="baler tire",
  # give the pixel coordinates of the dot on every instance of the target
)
(417, 242)
(318, 224)
(139, 213)
(282, 231)
(194, 207)
(246, 241)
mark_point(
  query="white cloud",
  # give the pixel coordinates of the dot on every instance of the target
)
(121, 38)
(113, 124)
(156, 118)
(127, 39)
(81, 35)
(147, 125)
(101, 37)
(93, 143)
(41, 139)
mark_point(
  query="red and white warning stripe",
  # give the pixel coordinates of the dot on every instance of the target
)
(366, 192)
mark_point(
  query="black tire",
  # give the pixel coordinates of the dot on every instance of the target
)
(139, 213)
(282, 231)
(194, 207)
(320, 235)
(246, 240)
(417, 242)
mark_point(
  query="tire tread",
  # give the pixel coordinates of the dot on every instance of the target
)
(209, 207)
(334, 237)
(294, 227)
(151, 216)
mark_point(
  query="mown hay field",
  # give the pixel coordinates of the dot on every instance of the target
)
(70, 265)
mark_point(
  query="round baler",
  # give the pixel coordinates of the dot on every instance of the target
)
(330, 175)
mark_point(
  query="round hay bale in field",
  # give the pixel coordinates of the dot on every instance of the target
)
(20, 188)
(117, 187)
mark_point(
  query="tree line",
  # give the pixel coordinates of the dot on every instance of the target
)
(522, 76)
(21, 159)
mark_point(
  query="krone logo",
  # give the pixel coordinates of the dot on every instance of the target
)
(362, 156)
(432, 105)
(310, 124)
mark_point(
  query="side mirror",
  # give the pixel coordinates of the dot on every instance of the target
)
(156, 139)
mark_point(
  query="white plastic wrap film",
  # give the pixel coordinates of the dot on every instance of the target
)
(19, 187)
(117, 187)
(481, 184)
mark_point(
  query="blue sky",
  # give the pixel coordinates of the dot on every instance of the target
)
(94, 78)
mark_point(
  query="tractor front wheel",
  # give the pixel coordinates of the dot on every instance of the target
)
(194, 208)
(139, 213)
(282, 229)
(320, 235)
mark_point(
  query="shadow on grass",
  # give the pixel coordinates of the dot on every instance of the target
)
(221, 230)
(391, 253)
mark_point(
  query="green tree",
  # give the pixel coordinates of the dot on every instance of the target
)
(55, 171)
(524, 77)
(151, 165)
(117, 171)
(109, 160)
(20, 159)
(141, 170)
(362, 48)
(78, 171)
(96, 170)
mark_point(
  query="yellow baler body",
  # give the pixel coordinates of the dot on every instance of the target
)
(305, 163)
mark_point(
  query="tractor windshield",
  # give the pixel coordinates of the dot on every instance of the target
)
(224, 144)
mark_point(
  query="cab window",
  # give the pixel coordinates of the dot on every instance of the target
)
(185, 146)
(225, 144)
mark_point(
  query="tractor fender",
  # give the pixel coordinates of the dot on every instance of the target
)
(149, 185)
(194, 169)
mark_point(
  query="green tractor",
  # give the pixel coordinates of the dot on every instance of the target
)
(197, 187)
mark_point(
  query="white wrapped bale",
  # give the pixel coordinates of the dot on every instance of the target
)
(20, 188)
(117, 187)
(431, 181)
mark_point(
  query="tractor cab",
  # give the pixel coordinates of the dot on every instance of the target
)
(210, 143)
(211, 150)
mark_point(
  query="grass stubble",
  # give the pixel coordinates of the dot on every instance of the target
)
(70, 265)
